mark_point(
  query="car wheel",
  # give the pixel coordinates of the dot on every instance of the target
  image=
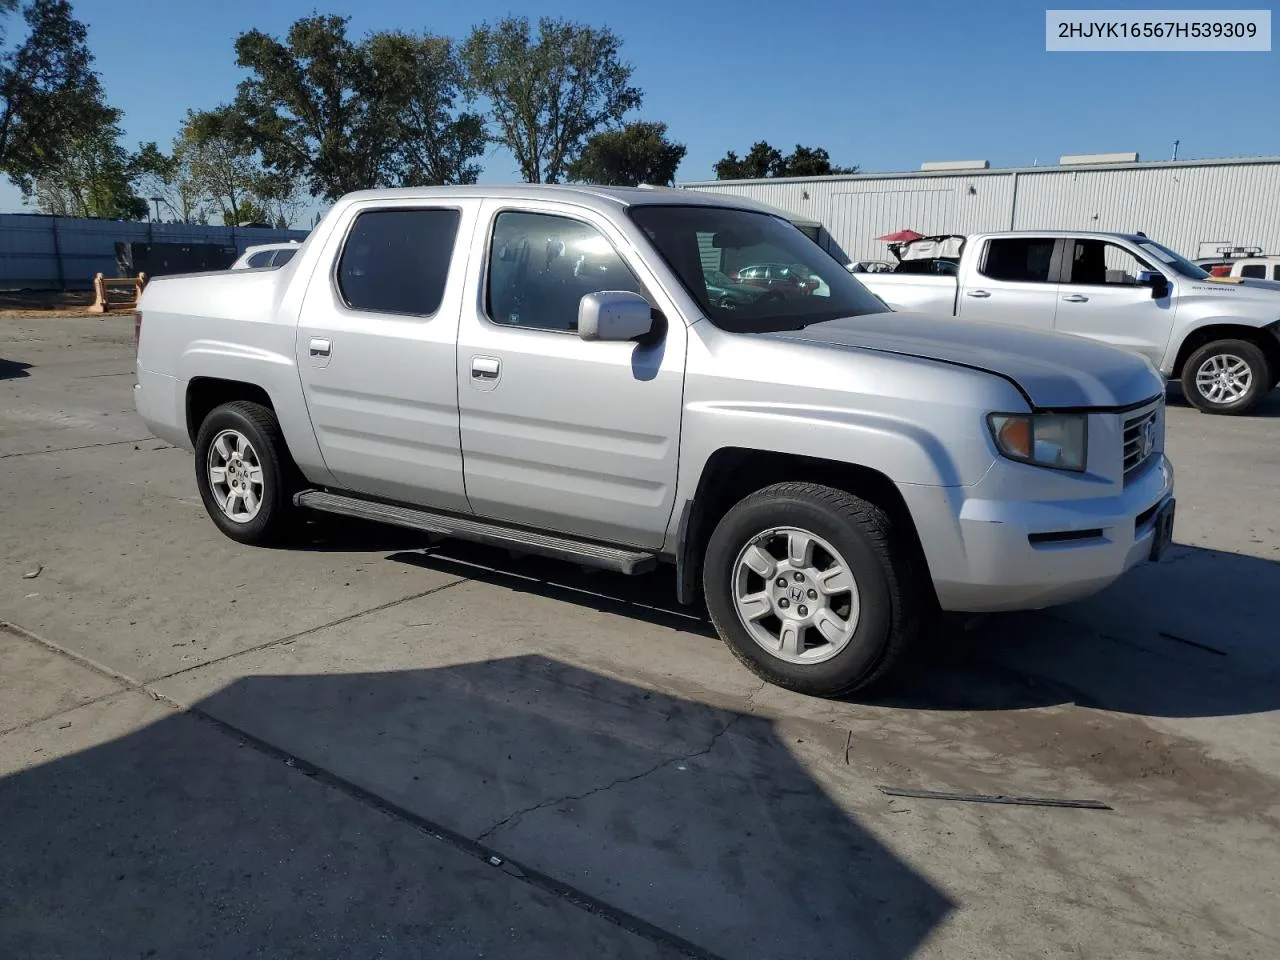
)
(1227, 377)
(813, 589)
(246, 477)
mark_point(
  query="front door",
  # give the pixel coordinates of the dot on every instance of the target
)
(1010, 282)
(1102, 298)
(376, 351)
(559, 433)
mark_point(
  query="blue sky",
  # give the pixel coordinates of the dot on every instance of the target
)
(882, 85)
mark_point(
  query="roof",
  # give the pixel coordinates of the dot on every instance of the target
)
(605, 199)
(994, 171)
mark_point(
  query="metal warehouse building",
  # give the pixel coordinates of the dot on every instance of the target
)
(1197, 207)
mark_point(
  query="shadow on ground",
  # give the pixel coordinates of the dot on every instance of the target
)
(1192, 636)
(177, 840)
(13, 369)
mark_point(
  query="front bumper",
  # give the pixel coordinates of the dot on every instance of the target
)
(991, 555)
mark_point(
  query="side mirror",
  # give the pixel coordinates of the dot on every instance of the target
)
(617, 315)
(1157, 281)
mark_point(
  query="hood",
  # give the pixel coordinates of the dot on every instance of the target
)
(1053, 370)
(1240, 288)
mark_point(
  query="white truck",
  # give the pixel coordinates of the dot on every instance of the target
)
(1221, 340)
(558, 370)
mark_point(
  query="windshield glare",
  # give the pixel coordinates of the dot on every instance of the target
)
(752, 272)
(1175, 262)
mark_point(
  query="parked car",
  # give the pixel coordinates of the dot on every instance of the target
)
(1221, 340)
(729, 294)
(828, 474)
(266, 255)
(1256, 268)
(783, 279)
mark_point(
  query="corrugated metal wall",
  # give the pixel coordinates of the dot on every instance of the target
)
(52, 253)
(1185, 206)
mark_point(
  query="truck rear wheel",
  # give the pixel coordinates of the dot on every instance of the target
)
(1227, 377)
(812, 589)
(246, 477)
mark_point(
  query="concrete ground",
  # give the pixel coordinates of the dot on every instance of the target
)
(216, 751)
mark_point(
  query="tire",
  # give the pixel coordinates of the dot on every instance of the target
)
(892, 601)
(251, 434)
(1247, 375)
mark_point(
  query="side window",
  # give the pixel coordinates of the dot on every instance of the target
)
(1257, 271)
(541, 266)
(283, 257)
(1275, 272)
(1023, 259)
(397, 261)
(260, 259)
(1098, 263)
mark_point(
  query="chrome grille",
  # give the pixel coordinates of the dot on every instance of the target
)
(1140, 436)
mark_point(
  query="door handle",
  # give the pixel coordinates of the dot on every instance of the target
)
(320, 347)
(1076, 298)
(980, 294)
(485, 368)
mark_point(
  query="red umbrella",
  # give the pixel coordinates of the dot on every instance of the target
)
(902, 236)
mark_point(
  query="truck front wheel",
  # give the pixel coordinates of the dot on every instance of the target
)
(1226, 376)
(812, 588)
(245, 474)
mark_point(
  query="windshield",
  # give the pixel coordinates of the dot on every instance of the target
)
(753, 272)
(1174, 261)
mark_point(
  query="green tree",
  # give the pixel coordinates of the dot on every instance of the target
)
(344, 115)
(638, 153)
(92, 177)
(763, 160)
(50, 97)
(169, 177)
(223, 164)
(548, 93)
(420, 79)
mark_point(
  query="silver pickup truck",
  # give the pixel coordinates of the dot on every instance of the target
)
(1220, 338)
(576, 372)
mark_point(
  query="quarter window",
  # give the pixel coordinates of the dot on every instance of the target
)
(397, 261)
(1098, 263)
(260, 259)
(541, 266)
(1024, 259)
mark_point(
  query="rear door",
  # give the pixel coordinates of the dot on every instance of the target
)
(1012, 280)
(377, 347)
(1103, 298)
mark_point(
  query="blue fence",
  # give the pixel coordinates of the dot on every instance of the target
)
(40, 252)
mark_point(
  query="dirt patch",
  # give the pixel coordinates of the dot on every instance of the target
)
(35, 304)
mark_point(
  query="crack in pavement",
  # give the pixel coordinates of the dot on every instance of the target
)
(520, 814)
(310, 630)
(87, 446)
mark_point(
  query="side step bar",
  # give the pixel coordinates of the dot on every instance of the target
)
(619, 559)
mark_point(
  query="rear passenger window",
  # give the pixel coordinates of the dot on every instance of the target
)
(397, 261)
(260, 259)
(283, 257)
(542, 265)
(1275, 272)
(1257, 271)
(1019, 258)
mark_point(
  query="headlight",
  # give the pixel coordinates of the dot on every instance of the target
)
(1058, 440)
